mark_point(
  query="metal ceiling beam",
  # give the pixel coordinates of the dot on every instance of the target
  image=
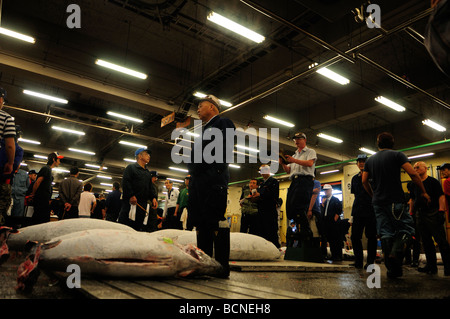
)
(341, 55)
(312, 37)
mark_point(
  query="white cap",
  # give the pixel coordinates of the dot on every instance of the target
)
(327, 186)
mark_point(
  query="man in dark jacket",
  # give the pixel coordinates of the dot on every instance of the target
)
(363, 218)
(113, 203)
(267, 195)
(137, 190)
(208, 187)
(331, 211)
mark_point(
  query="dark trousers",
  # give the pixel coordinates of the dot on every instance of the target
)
(297, 202)
(172, 221)
(415, 244)
(217, 242)
(432, 225)
(124, 213)
(41, 211)
(71, 213)
(268, 226)
(249, 223)
(369, 224)
(152, 221)
(334, 237)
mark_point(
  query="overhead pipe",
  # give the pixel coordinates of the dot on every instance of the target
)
(145, 137)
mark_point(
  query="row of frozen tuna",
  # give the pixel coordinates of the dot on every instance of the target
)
(103, 248)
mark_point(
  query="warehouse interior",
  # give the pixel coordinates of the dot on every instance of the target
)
(180, 52)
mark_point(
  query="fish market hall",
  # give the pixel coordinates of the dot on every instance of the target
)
(224, 150)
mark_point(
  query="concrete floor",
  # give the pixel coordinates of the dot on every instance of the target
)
(348, 284)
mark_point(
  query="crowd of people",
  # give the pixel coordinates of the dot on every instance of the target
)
(379, 207)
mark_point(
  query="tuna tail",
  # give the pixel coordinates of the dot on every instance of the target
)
(28, 272)
(4, 251)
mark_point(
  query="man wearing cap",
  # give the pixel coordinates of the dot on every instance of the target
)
(394, 224)
(171, 219)
(363, 218)
(137, 190)
(208, 188)
(331, 210)
(7, 133)
(42, 190)
(267, 196)
(301, 169)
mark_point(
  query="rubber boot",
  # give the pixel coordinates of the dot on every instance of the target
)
(222, 250)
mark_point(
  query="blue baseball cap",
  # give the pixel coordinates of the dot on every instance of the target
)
(140, 150)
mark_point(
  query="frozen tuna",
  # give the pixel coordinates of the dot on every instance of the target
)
(117, 253)
(42, 233)
(242, 246)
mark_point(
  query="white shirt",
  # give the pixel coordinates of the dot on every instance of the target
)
(305, 154)
(172, 200)
(86, 201)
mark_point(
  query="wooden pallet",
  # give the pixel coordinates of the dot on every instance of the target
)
(193, 288)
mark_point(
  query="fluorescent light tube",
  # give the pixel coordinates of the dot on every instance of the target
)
(178, 169)
(434, 125)
(333, 76)
(133, 119)
(366, 150)
(40, 156)
(329, 172)
(129, 160)
(60, 170)
(106, 184)
(28, 141)
(247, 148)
(121, 69)
(81, 151)
(192, 134)
(389, 103)
(331, 138)
(274, 119)
(23, 164)
(103, 176)
(95, 166)
(176, 180)
(45, 96)
(234, 166)
(421, 155)
(132, 144)
(235, 27)
(222, 102)
(67, 130)
(17, 35)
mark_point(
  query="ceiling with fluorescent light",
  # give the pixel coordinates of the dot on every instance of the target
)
(182, 52)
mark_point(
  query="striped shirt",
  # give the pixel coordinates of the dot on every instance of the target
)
(7, 125)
